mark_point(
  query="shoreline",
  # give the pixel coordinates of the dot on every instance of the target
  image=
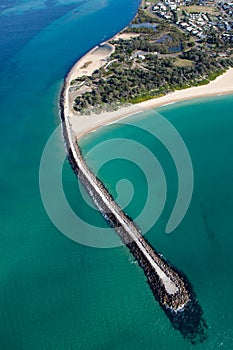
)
(170, 287)
(82, 125)
(167, 285)
(85, 124)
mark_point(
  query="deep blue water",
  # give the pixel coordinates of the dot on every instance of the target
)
(17, 28)
(58, 294)
(46, 279)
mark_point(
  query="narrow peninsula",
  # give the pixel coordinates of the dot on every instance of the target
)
(154, 61)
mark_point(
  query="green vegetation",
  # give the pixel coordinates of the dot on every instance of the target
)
(143, 17)
(160, 59)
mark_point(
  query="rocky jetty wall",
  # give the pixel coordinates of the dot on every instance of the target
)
(181, 306)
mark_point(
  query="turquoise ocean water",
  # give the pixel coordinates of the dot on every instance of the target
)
(55, 293)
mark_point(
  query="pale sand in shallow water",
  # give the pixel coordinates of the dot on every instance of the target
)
(93, 60)
(83, 124)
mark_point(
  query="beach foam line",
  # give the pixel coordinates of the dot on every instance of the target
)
(167, 104)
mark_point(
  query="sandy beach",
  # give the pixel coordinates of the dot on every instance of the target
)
(83, 124)
(93, 60)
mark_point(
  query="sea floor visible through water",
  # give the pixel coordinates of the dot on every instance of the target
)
(56, 293)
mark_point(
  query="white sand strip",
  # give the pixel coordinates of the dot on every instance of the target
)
(83, 124)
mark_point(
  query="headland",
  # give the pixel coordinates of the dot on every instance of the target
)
(170, 287)
(106, 64)
(158, 59)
